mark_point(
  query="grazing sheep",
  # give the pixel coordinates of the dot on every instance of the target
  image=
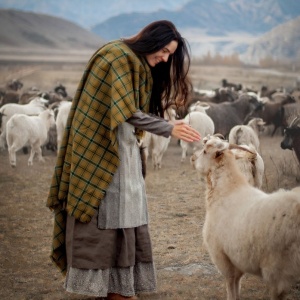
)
(27, 96)
(247, 230)
(247, 134)
(33, 130)
(272, 112)
(200, 121)
(291, 138)
(34, 107)
(14, 84)
(226, 115)
(220, 95)
(236, 87)
(9, 96)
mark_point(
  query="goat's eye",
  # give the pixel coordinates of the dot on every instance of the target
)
(204, 151)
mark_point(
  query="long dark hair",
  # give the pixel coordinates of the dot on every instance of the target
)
(169, 79)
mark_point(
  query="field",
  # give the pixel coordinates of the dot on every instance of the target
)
(175, 197)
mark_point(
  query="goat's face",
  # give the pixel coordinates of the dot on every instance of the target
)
(290, 133)
(287, 142)
(204, 160)
(39, 101)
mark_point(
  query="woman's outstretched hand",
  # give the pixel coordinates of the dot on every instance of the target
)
(184, 131)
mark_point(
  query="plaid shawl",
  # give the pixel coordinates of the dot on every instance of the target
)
(114, 85)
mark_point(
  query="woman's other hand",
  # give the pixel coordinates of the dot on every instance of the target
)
(184, 131)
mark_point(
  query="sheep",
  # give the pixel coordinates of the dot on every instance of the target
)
(289, 112)
(272, 112)
(34, 107)
(32, 130)
(61, 120)
(60, 89)
(157, 144)
(253, 169)
(247, 134)
(226, 115)
(247, 230)
(27, 96)
(291, 138)
(9, 96)
(236, 87)
(223, 94)
(200, 121)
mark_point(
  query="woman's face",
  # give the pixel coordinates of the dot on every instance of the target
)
(162, 55)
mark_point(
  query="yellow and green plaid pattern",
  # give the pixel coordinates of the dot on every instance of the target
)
(114, 85)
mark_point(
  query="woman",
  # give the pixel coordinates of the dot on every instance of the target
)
(101, 239)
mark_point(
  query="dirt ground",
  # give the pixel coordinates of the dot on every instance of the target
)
(176, 209)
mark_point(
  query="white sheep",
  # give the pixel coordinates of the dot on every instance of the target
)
(33, 130)
(34, 107)
(247, 134)
(247, 230)
(157, 144)
(61, 120)
(252, 167)
(200, 121)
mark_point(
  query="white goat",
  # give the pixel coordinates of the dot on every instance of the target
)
(32, 130)
(61, 120)
(200, 121)
(158, 144)
(34, 107)
(247, 230)
(252, 168)
(247, 134)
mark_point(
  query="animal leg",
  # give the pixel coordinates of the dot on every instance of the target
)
(2, 140)
(38, 151)
(184, 151)
(30, 159)
(231, 273)
(233, 286)
(159, 159)
(154, 160)
(12, 156)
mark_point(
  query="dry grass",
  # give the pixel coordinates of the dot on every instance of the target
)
(176, 208)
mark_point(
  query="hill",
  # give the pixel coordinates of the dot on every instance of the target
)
(26, 30)
(89, 12)
(214, 17)
(217, 27)
(282, 43)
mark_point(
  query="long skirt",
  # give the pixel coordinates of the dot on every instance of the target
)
(102, 261)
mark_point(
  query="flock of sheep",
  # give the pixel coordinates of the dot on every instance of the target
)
(246, 230)
(36, 122)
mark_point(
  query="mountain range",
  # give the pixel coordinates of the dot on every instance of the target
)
(89, 13)
(37, 31)
(253, 29)
(215, 17)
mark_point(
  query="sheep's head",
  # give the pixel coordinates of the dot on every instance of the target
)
(258, 123)
(212, 153)
(203, 160)
(199, 106)
(290, 133)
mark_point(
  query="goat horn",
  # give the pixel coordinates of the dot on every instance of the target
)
(295, 122)
(219, 135)
(234, 146)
